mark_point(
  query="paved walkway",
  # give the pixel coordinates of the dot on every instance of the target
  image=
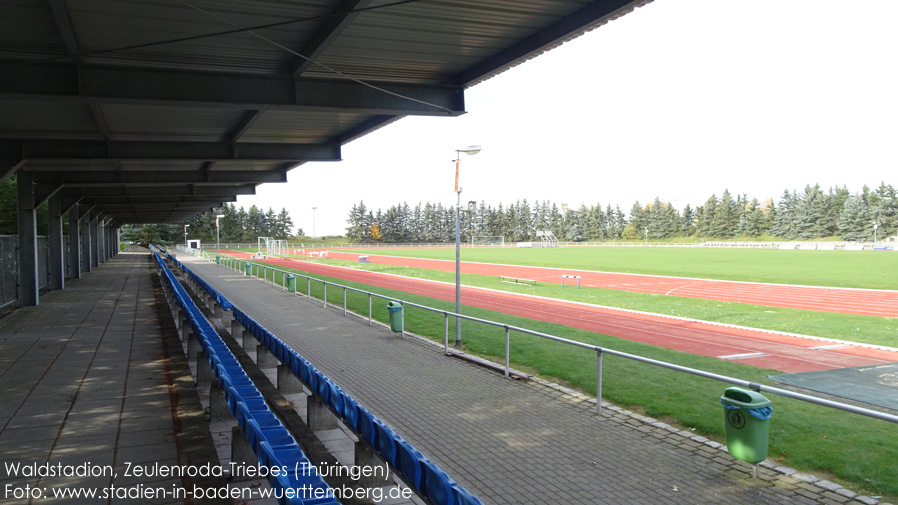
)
(512, 442)
(87, 387)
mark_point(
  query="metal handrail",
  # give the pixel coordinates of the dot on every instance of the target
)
(600, 351)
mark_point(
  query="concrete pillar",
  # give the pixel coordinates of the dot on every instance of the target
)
(56, 266)
(85, 243)
(94, 243)
(237, 331)
(242, 454)
(27, 260)
(74, 244)
(319, 416)
(102, 244)
(218, 405)
(203, 369)
(264, 358)
(288, 383)
(366, 457)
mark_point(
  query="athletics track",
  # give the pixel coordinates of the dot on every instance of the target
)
(777, 351)
(865, 302)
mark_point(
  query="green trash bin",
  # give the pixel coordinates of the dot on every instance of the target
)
(218, 259)
(746, 417)
(395, 310)
(248, 268)
(291, 283)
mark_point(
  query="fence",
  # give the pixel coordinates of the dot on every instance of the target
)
(9, 266)
(262, 271)
(510, 244)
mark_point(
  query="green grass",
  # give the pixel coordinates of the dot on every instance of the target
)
(847, 448)
(856, 269)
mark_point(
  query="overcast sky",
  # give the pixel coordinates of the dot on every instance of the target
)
(679, 99)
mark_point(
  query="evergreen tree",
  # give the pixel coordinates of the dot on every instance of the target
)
(855, 223)
(784, 220)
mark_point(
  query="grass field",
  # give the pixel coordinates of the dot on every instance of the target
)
(846, 448)
(855, 269)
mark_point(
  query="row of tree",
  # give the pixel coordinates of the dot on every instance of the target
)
(237, 225)
(809, 214)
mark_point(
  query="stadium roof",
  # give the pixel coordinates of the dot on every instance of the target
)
(149, 111)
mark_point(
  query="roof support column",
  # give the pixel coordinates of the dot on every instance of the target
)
(102, 242)
(74, 244)
(56, 266)
(86, 262)
(28, 282)
(94, 244)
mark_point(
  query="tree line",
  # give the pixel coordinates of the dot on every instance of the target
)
(237, 225)
(798, 215)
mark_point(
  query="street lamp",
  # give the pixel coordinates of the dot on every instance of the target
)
(875, 227)
(646, 235)
(217, 234)
(185, 236)
(313, 221)
(471, 150)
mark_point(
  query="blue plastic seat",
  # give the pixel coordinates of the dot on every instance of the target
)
(365, 427)
(409, 464)
(463, 497)
(335, 397)
(385, 442)
(438, 485)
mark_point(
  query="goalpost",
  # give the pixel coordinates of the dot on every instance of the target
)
(487, 241)
(547, 238)
(270, 246)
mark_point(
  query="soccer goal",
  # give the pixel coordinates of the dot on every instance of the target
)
(547, 238)
(487, 241)
(271, 247)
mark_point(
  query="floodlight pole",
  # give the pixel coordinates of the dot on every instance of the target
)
(313, 221)
(875, 227)
(185, 236)
(217, 234)
(471, 150)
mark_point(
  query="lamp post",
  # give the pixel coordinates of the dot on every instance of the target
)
(217, 234)
(471, 150)
(185, 236)
(313, 221)
(646, 235)
(875, 227)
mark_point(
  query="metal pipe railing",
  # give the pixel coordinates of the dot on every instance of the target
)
(600, 351)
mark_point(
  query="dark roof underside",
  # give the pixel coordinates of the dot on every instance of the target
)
(149, 111)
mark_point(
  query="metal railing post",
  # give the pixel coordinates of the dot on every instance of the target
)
(344, 301)
(309, 288)
(369, 309)
(325, 295)
(598, 382)
(507, 350)
(402, 333)
(446, 332)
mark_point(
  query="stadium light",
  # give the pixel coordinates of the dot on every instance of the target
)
(185, 236)
(217, 234)
(313, 221)
(875, 227)
(471, 150)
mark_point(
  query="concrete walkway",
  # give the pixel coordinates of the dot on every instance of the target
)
(87, 388)
(512, 442)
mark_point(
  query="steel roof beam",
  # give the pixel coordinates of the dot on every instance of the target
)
(158, 178)
(95, 84)
(98, 193)
(90, 150)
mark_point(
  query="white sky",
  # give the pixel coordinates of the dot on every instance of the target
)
(679, 99)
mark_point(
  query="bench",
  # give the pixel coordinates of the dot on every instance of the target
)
(515, 280)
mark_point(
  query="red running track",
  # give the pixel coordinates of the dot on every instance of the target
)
(786, 353)
(866, 302)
